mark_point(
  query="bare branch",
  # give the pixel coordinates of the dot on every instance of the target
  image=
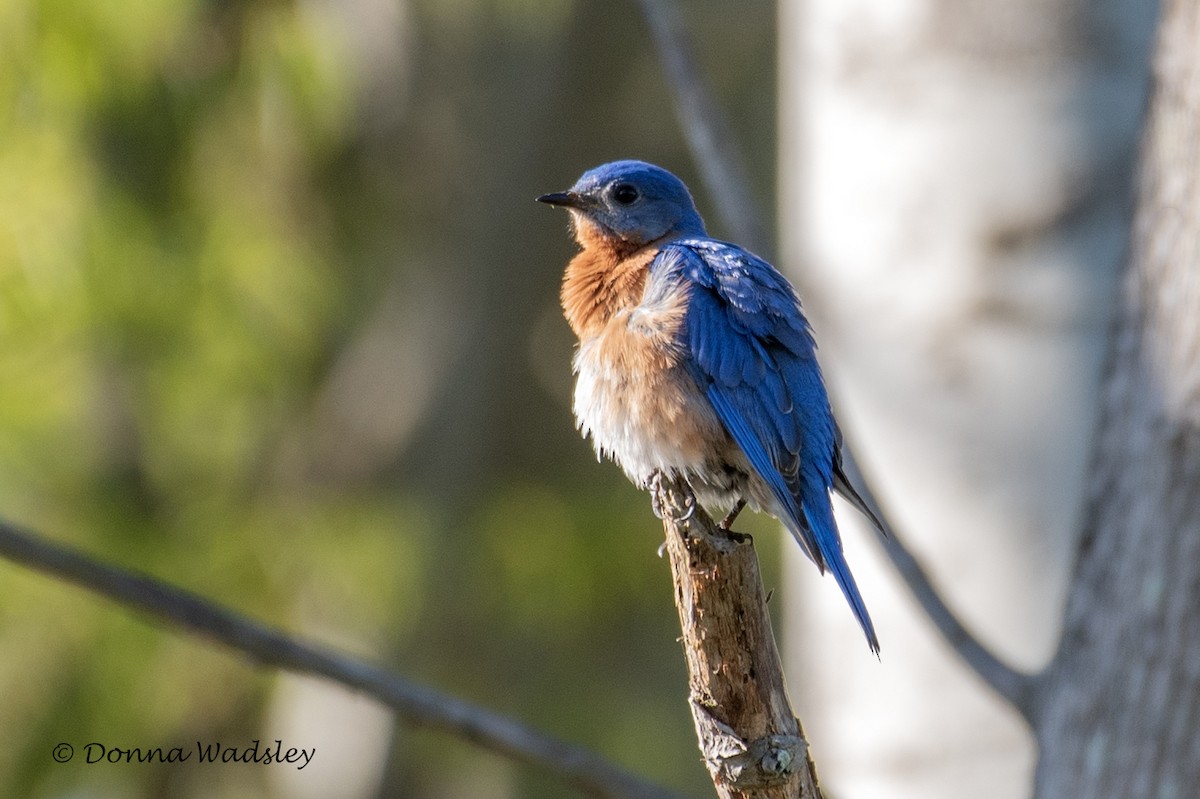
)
(717, 157)
(415, 704)
(1014, 686)
(752, 742)
(707, 132)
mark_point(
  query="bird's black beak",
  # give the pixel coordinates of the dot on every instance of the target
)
(566, 199)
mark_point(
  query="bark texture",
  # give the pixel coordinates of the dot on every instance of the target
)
(955, 185)
(1120, 703)
(752, 743)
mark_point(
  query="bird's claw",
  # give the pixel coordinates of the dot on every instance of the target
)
(658, 488)
(690, 503)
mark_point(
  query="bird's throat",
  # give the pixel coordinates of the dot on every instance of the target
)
(601, 281)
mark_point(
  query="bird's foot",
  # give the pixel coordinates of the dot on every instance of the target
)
(658, 488)
(689, 503)
(740, 538)
(727, 522)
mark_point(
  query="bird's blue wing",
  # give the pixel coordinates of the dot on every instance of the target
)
(752, 353)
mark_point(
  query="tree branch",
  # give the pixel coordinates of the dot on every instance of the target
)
(706, 130)
(752, 742)
(716, 155)
(413, 703)
(1014, 686)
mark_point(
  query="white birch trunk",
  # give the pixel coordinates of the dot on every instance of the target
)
(953, 200)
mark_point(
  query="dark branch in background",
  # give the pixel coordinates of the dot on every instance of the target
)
(413, 703)
(704, 126)
(719, 162)
(1014, 686)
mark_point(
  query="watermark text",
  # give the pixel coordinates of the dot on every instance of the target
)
(258, 753)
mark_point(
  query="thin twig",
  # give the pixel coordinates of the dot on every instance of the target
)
(717, 157)
(415, 704)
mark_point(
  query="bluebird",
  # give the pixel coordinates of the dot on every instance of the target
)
(696, 361)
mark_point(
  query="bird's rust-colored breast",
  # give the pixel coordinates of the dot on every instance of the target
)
(633, 396)
(599, 282)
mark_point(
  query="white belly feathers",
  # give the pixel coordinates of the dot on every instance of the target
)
(635, 399)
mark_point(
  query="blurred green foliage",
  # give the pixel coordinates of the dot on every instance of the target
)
(278, 323)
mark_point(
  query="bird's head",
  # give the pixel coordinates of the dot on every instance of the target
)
(627, 204)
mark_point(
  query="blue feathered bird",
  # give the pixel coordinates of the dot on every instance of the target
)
(696, 360)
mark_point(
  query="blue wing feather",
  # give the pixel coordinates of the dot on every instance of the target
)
(752, 353)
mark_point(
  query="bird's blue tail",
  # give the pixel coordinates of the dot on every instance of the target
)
(806, 507)
(818, 511)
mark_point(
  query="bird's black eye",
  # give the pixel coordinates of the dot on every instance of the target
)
(625, 194)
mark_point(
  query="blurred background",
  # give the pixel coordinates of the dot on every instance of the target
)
(279, 324)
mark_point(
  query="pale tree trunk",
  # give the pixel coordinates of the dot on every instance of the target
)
(954, 204)
(1119, 709)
